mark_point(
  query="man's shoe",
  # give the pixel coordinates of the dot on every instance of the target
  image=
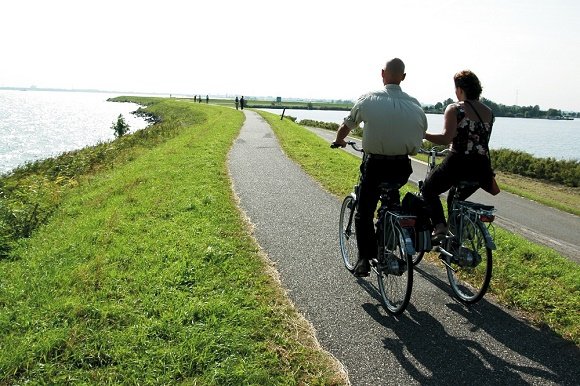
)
(362, 268)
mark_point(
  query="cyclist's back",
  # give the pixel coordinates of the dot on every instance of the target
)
(394, 126)
(394, 122)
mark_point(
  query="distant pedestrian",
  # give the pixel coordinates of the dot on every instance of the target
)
(237, 103)
(194, 98)
(206, 99)
(199, 99)
(242, 102)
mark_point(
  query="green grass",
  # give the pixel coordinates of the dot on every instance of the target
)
(530, 278)
(146, 273)
(556, 196)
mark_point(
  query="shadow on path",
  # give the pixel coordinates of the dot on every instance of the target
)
(431, 352)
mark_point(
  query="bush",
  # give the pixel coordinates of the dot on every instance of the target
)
(323, 125)
(565, 172)
(120, 127)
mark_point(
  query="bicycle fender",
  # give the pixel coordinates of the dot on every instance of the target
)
(408, 242)
(488, 240)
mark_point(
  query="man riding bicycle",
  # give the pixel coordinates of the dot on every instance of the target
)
(394, 126)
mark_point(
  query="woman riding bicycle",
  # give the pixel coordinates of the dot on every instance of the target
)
(467, 126)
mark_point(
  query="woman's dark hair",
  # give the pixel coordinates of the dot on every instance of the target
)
(469, 83)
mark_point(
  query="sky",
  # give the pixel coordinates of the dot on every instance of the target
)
(524, 52)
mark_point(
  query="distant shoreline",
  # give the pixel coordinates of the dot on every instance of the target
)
(254, 102)
(79, 90)
(323, 107)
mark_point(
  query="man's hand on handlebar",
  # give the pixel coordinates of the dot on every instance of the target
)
(335, 144)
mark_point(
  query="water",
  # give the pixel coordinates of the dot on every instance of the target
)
(539, 137)
(40, 124)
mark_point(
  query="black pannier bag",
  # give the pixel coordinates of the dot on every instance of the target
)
(414, 205)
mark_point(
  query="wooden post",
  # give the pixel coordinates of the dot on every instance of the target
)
(282, 116)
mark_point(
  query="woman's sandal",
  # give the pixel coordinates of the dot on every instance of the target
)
(438, 236)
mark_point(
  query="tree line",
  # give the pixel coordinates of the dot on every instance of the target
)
(500, 110)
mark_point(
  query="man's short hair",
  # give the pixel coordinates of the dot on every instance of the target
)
(395, 66)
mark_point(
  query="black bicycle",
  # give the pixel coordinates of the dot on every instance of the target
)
(393, 264)
(466, 250)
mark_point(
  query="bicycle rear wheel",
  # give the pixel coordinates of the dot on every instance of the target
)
(417, 257)
(394, 271)
(469, 270)
(347, 233)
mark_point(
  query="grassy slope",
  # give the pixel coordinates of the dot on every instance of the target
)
(147, 274)
(531, 278)
(561, 197)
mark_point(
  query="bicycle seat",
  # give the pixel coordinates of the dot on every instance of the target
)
(391, 185)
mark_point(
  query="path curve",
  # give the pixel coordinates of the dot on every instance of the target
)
(436, 341)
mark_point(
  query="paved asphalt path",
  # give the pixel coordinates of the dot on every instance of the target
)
(436, 341)
(538, 223)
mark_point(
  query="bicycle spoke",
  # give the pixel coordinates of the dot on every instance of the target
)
(469, 271)
(395, 272)
(347, 233)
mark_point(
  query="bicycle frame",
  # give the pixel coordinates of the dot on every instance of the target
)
(473, 212)
(392, 262)
(395, 220)
(467, 248)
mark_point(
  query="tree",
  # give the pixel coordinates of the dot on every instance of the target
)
(120, 127)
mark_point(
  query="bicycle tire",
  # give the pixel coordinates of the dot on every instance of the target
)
(395, 288)
(417, 257)
(347, 233)
(469, 284)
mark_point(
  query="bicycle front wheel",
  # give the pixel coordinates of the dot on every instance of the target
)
(469, 270)
(394, 271)
(347, 233)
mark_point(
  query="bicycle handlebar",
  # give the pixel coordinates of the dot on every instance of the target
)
(434, 152)
(352, 144)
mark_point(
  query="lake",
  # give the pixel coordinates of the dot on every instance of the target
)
(40, 124)
(540, 137)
